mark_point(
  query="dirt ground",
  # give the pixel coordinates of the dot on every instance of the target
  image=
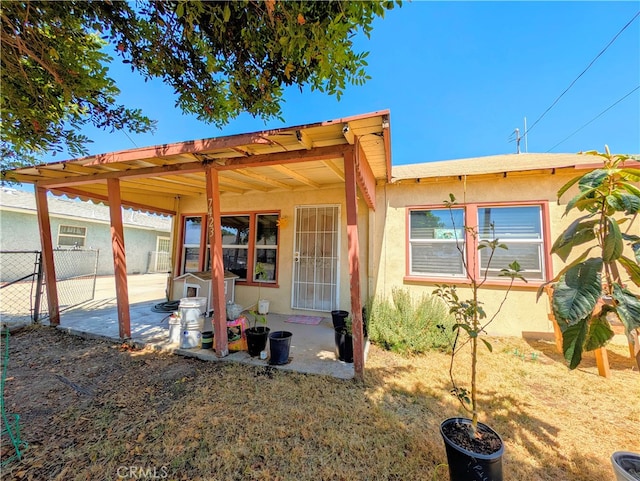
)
(96, 410)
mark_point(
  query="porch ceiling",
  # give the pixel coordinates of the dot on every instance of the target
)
(287, 159)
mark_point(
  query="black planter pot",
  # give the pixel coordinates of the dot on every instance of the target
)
(465, 465)
(344, 345)
(256, 339)
(338, 318)
(279, 344)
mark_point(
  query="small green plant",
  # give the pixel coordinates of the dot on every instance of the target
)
(408, 325)
(471, 319)
(589, 291)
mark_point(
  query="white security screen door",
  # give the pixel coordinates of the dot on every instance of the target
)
(163, 254)
(315, 263)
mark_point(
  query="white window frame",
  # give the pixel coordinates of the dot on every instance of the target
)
(73, 235)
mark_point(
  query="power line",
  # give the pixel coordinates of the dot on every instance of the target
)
(582, 73)
(593, 119)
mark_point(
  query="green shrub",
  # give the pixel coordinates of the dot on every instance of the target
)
(410, 326)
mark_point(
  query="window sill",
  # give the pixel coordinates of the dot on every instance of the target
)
(532, 285)
(255, 284)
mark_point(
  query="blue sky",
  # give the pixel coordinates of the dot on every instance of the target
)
(458, 78)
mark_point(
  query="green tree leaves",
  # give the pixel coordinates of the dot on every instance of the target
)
(588, 292)
(221, 58)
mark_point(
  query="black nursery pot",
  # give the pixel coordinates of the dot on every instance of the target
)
(279, 344)
(344, 345)
(256, 339)
(465, 465)
(338, 318)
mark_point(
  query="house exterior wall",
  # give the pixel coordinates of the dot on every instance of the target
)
(19, 231)
(521, 312)
(285, 203)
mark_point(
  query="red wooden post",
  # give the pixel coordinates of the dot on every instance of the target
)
(354, 262)
(214, 234)
(44, 226)
(119, 258)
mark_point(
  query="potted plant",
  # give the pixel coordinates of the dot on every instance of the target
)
(589, 292)
(257, 335)
(344, 341)
(261, 275)
(474, 450)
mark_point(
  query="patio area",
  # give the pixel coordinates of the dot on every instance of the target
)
(312, 346)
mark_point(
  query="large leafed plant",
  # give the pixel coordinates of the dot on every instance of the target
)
(590, 292)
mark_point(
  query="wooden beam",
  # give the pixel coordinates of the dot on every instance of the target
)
(321, 153)
(348, 134)
(364, 176)
(336, 170)
(354, 263)
(105, 199)
(264, 179)
(44, 226)
(214, 234)
(294, 175)
(386, 137)
(130, 173)
(119, 259)
(304, 139)
(291, 157)
(227, 180)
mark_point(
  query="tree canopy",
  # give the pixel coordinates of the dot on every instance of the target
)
(221, 58)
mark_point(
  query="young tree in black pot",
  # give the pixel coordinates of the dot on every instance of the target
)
(474, 450)
(257, 335)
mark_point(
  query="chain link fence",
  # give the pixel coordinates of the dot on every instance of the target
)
(22, 294)
(20, 275)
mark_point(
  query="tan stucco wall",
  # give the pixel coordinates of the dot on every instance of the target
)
(285, 203)
(521, 313)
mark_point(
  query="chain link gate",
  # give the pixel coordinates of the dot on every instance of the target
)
(23, 297)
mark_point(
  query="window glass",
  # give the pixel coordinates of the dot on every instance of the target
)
(192, 230)
(520, 229)
(266, 252)
(235, 230)
(71, 236)
(436, 237)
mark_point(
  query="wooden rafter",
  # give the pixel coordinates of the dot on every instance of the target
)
(104, 198)
(294, 175)
(336, 170)
(264, 179)
(364, 176)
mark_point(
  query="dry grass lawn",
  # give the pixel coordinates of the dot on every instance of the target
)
(91, 409)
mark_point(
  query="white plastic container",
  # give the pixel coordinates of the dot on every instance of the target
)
(192, 310)
(191, 335)
(175, 328)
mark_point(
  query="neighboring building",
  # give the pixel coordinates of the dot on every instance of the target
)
(78, 224)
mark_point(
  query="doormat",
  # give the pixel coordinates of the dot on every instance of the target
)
(312, 320)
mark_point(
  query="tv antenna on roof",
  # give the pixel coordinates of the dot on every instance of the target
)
(518, 138)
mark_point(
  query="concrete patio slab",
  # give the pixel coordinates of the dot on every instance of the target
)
(312, 346)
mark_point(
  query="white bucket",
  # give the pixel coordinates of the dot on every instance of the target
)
(192, 308)
(192, 314)
(175, 329)
(191, 335)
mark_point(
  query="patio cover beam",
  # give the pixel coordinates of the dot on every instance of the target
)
(44, 226)
(364, 176)
(119, 258)
(214, 236)
(105, 198)
(354, 262)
